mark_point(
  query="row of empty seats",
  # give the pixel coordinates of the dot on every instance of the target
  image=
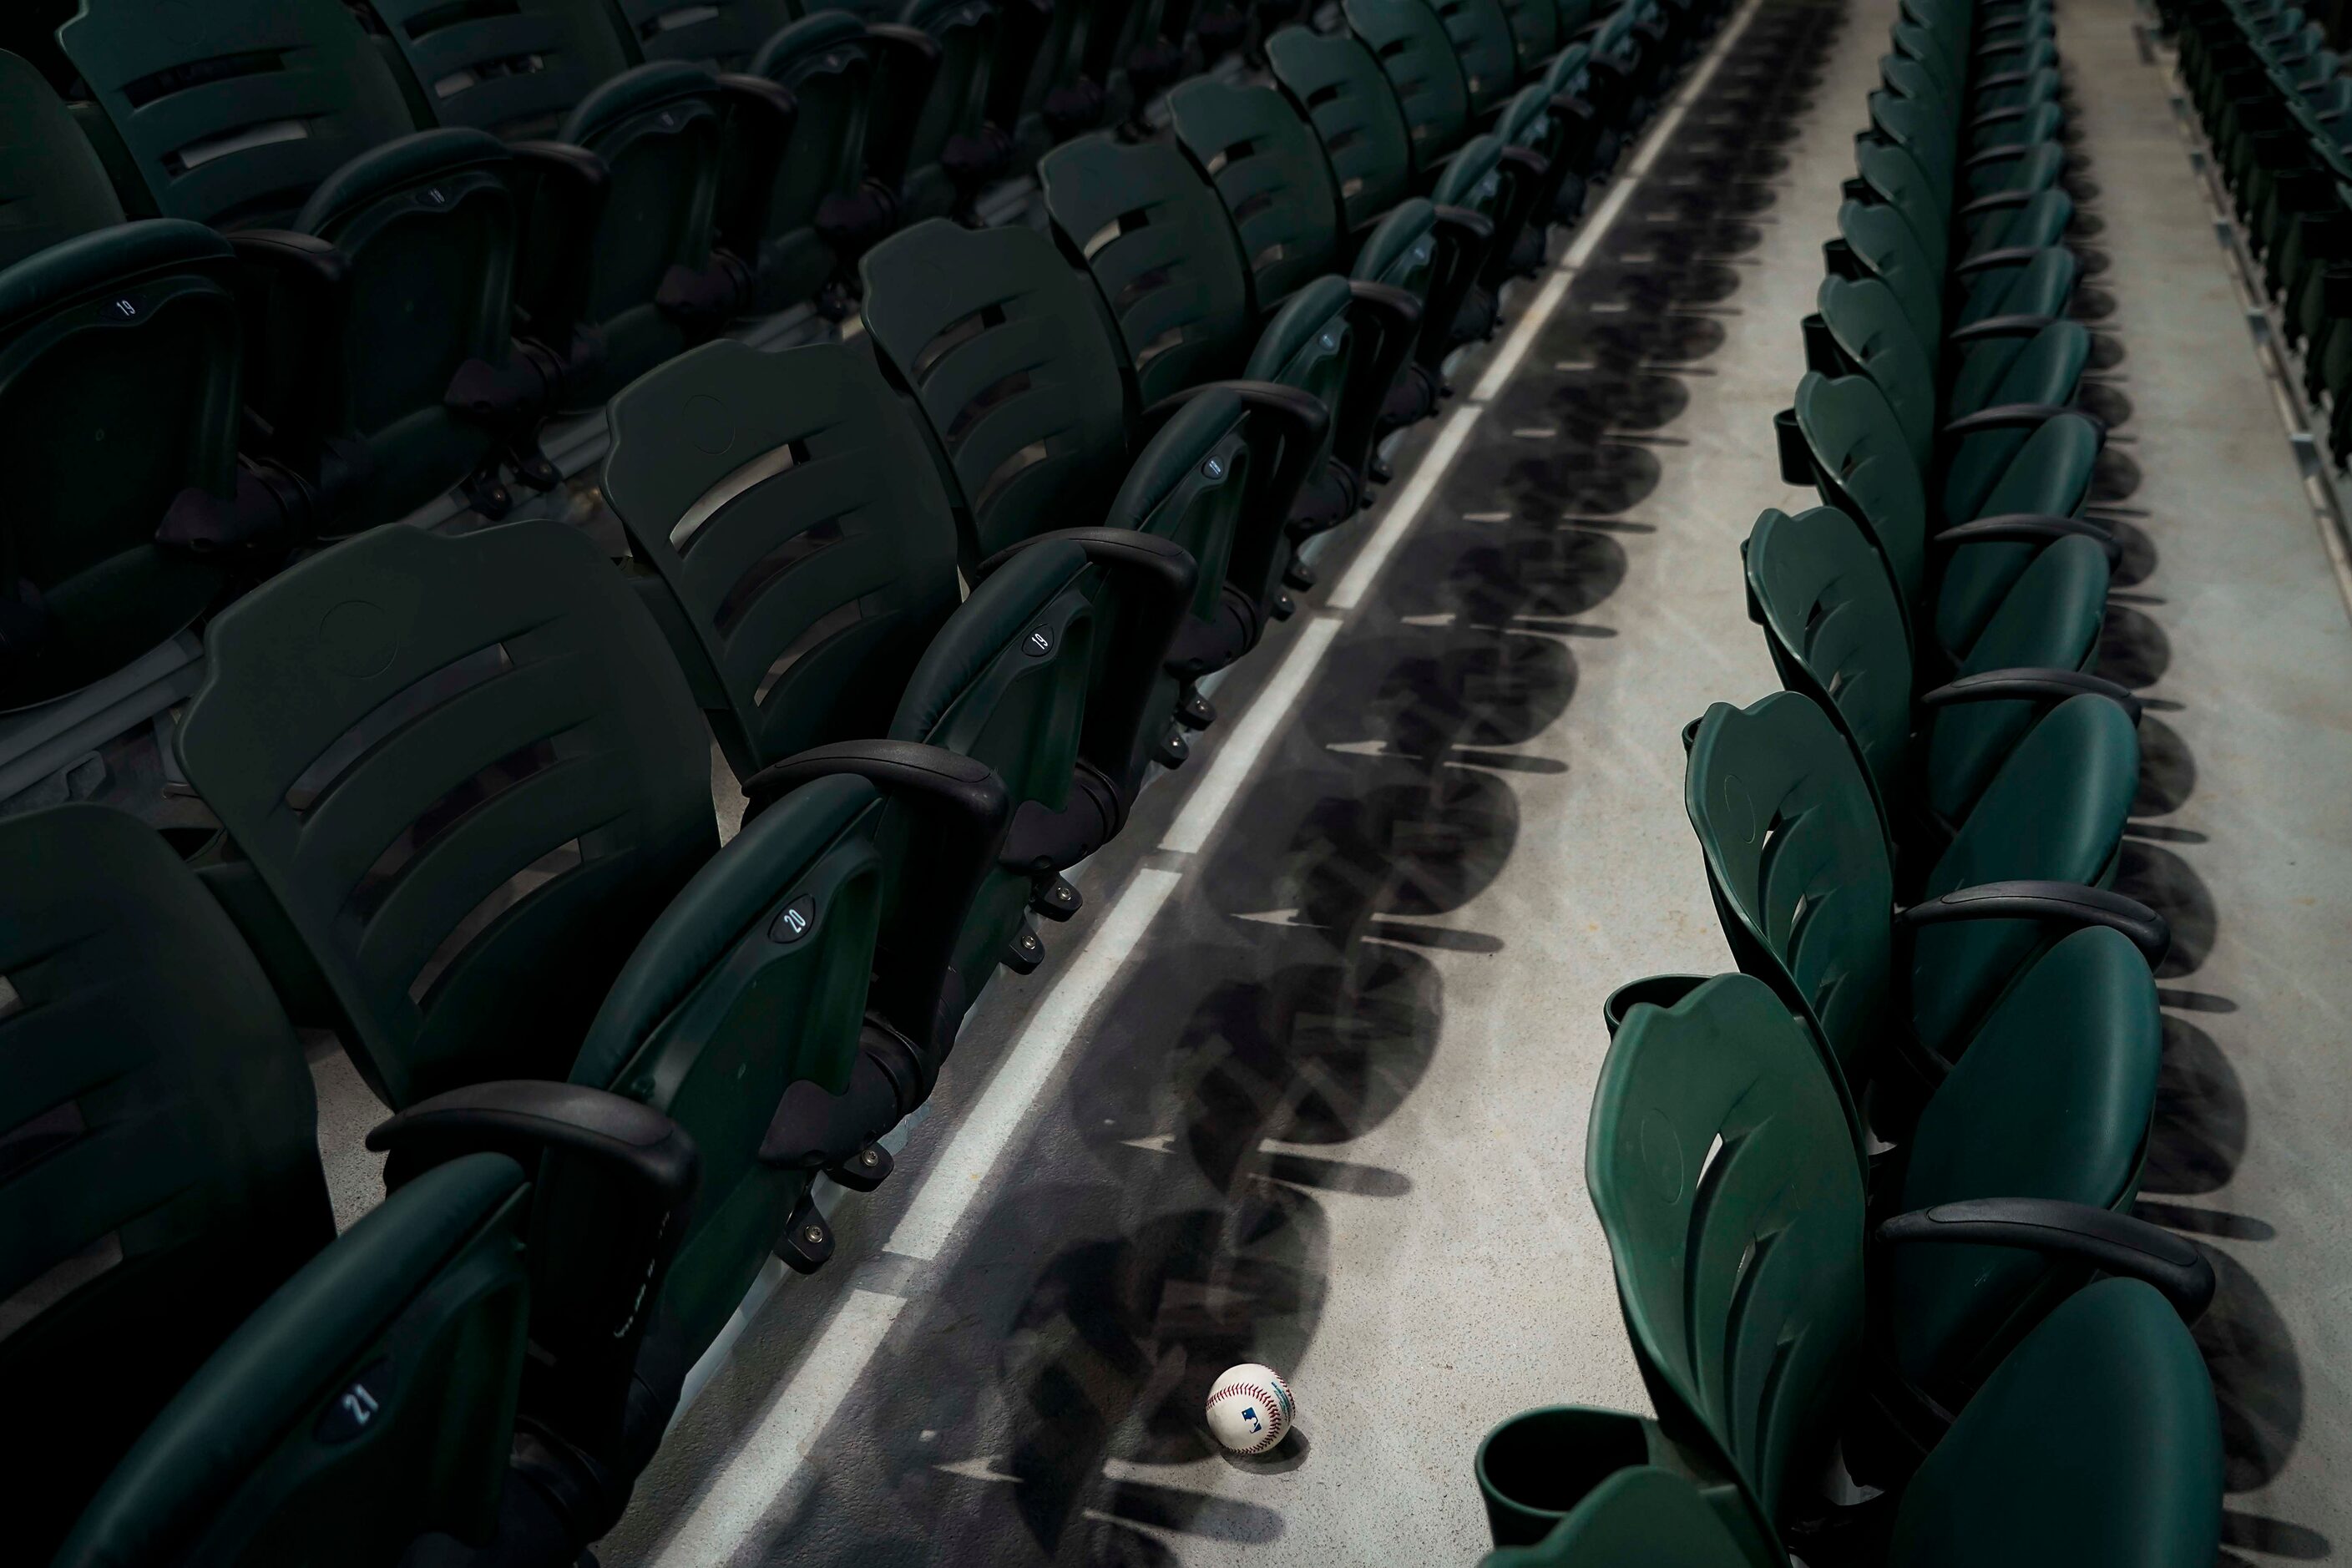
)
(942, 595)
(2268, 84)
(1868, 1199)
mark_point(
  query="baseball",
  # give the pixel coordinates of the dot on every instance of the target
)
(1251, 1409)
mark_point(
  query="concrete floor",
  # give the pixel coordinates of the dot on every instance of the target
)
(1307, 1081)
(2236, 625)
(1331, 1113)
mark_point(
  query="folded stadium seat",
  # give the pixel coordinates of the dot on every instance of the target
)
(1547, 134)
(1279, 190)
(1735, 1220)
(109, 547)
(173, 1259)
(378, 261)
(827, 199)
(2001, 1030)
(622, 263)
(1020, 378)
(1456, 167)
(1065, 89)
(928, 117)
(1335, 84)
(2012, 195)
(1637, 1512)
(1153, 231)
(1953, 576)
(475, 782)
(2000, 391)
(732, 471)
(1875, 241)
(1836, 633)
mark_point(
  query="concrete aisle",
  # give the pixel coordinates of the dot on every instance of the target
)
(1330, 1111)
(2232, 620)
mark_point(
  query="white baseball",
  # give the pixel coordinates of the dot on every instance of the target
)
(1250, 1409)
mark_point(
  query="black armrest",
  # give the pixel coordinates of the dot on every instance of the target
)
(1397, 308)
(1996, 117)
(2001, 256)
(1999, 78)
(2059, 903)
(2027, 528)
(1300, 414)
(1387, 321)
(294, 295)
(612, 1189)
(2034, 685)
(906, 65)
(1465, 224)
(1998, 152)
(1154, 578)
(561, 191)
(1525, 161)
(2021, 416)
(1996, 202)
(2116, 1242)
(2000, 327)
(760, 117)
(959, 811)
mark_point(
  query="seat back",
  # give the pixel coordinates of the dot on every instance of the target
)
(1015, 365)
(813, 561)
(1836, 635)
(368, 1405)
(1862, 462)
(119, 359)
(1719, 1165)
(1335, 84)
(161, 1144)
(55, 187)
(1272, 175)
(1872, 335)
(1156, 239)
(1410, 43)
(515, 70)
(1799, 869)
(1883, 242)
(235, 111)
(716, 35)
(1485, 42)
(470, 773)
(1534, 32)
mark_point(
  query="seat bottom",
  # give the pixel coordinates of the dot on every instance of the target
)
(2098, 1435)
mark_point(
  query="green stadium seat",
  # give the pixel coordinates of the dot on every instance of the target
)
(1021, 377)
(2000, 1027)
(806, 574)
(1736, 1220)
(225, 1379)
(470, 775)
(382, 369)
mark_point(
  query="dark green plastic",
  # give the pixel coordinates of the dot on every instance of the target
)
(1718, 1163)
(1337, 85)
(824, 61)
(1410, 44)
(1271, 172)
(162, 1148)
(772, 495)
(369, 1402)
(57, 188)
(106, 418)
(1012, 357)
(1643, 1515)
(718, 35)
(1482, 33)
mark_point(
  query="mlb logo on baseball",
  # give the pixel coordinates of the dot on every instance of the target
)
(1251, 1410)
